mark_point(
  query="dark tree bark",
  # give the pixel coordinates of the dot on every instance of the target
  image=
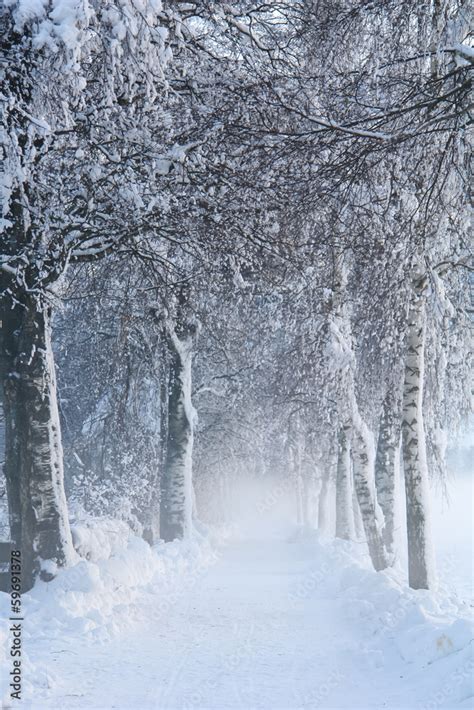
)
(33, 453)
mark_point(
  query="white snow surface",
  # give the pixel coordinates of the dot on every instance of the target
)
(281, 618)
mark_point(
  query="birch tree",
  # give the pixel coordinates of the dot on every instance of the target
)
(387, 464)
(176, 482)
(414, 451)
(344, 513)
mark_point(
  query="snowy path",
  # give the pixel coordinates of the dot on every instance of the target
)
(260, 628)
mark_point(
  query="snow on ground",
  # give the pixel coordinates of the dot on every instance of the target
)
(275, 619)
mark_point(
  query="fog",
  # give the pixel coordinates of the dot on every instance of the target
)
(265, 508)
(453, 531)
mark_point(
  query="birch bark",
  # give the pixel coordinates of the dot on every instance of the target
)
(344, 517)
(323, 502)
(386, 465)
(176, 483)
(420, 557)
(366, 498)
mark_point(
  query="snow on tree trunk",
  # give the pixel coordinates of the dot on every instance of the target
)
(344, 515)
(362, 468)
(386, 465)
(176, 483)
(33, 451)
(420, 557)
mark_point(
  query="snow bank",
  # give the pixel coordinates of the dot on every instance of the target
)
(428, 635)
(102, 595)
(98, 538)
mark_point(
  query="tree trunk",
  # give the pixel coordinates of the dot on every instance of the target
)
(295, 465)
(344, 516)
(386, 465)
(33, 452)
(323, 502)
(176, 483)
(305, 495)
(359, 531)
(297, 475)
(366, 498)
(152, 532)
(420, 558)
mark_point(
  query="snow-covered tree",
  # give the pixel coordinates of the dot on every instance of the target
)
(70, 88)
